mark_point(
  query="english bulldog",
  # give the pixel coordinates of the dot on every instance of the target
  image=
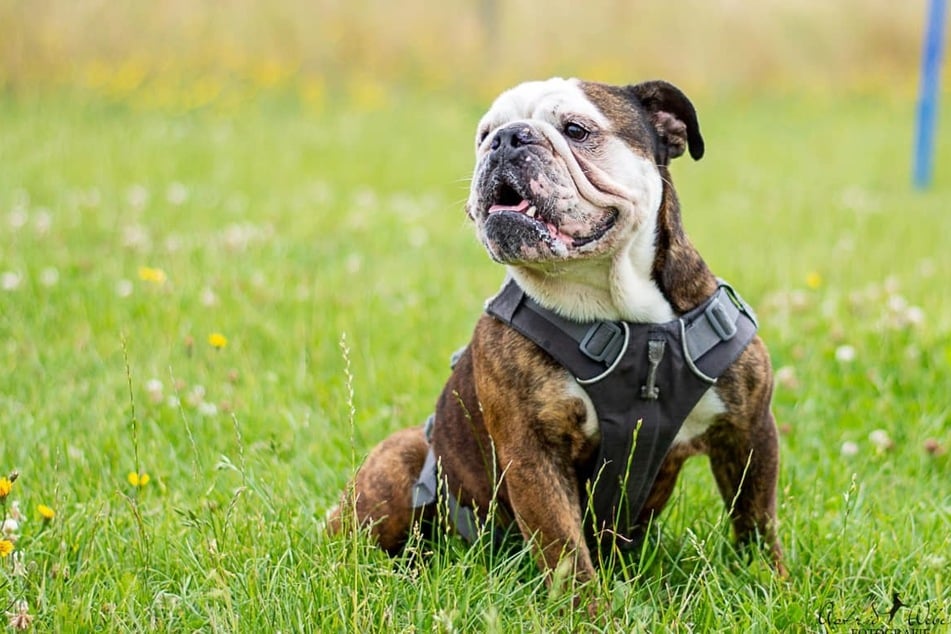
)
(572, 194)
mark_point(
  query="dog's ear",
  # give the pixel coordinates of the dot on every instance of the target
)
(673, 117)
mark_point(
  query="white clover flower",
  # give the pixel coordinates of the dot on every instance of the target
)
(881, 440)
(49, 276)
(845, 354)
(17, 218)
(176, 194)
(136, 237)
(43, 221)
(891, 284)
(15, 512)
(938, 562)
(798, 299)
(154, 389)
(9, 527)
(10, 280)
(237, 236)
(124, 288)
(208, 297)
(786, 377)
(366, 198)
(207, 409)
(897, 303)
(915, 316)
(137, 196)
(173, 243)
(19, 568)
(849, 449)
(197, 396)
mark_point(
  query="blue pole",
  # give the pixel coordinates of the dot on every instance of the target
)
(928, 98)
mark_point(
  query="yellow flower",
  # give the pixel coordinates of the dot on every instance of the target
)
(813, 280)
(46, 512)
(138, 480)
(217, 340)
(5, 487)
(153, 275)
(6, 547)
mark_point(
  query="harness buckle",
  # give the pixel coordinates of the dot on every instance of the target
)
(719, 319)
(739, 302)
(603, 342)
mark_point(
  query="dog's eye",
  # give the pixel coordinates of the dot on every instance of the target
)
(482, 136)
(575, 132)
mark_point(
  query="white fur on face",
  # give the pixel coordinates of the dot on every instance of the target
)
(538, 100)
(623, 176)
(609, 279)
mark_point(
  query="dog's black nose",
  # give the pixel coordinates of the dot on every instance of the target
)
(514, 136)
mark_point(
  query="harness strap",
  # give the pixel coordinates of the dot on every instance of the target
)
(596, 347)
(428, 489)
(600, 344)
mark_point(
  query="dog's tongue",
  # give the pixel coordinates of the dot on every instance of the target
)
(521, 208)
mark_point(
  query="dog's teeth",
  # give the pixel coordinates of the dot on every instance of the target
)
(531, 211)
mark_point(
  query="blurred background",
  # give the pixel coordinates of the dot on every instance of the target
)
(188, 54)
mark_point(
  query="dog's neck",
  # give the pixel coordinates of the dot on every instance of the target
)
(678, 270)
(656, 277)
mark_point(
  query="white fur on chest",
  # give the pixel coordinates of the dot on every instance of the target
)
(701, 417)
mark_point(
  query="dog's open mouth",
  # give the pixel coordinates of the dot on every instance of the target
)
(507, 202)
(525, 211)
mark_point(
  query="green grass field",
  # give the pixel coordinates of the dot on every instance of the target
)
(331, 252)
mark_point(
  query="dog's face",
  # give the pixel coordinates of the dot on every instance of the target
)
(569, 170)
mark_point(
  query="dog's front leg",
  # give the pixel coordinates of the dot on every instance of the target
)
(746, 474)
(537, 424)
(744, 458)
(544, 497)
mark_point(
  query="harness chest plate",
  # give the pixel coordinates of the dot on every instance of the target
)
(644, 380)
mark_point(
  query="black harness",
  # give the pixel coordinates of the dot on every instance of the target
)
(644, 380)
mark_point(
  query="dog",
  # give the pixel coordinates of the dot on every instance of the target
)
(572, 193)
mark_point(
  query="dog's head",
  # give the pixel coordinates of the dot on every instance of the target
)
(568, 170)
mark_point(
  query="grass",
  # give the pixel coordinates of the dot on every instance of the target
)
(331, 251)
